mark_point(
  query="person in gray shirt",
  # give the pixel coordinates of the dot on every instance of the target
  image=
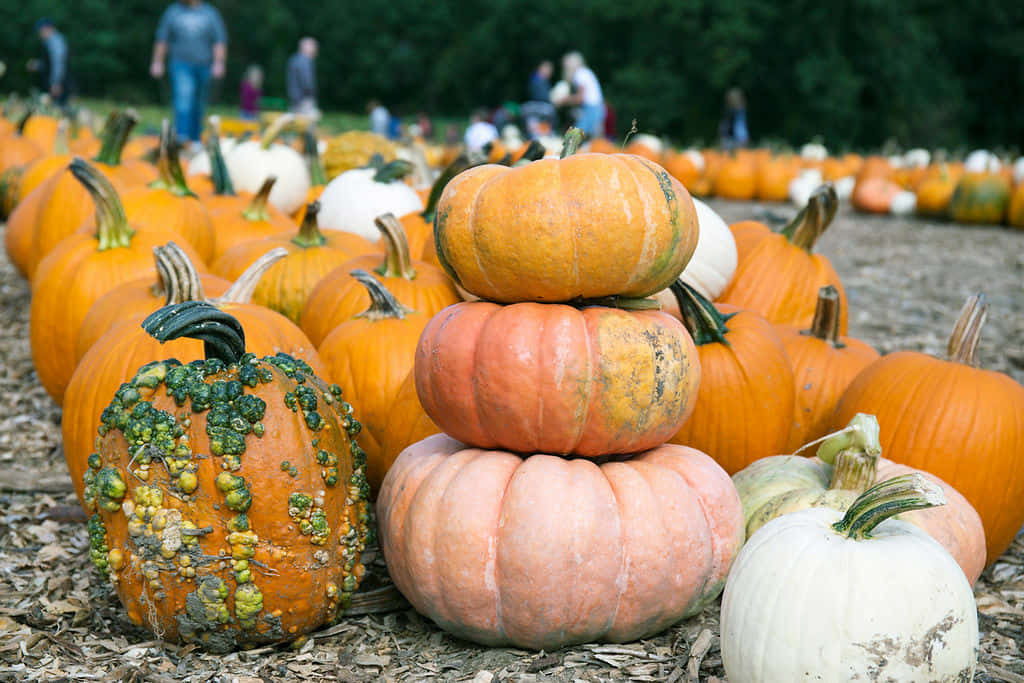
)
(191, 47)
(55, 77)
(301, 78)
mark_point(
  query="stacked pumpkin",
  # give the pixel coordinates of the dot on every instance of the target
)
(551, 511)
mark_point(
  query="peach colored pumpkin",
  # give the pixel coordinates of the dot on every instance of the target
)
(542, 552)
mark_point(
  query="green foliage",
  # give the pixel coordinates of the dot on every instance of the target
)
(855, 72)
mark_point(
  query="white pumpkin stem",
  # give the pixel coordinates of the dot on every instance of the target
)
(827, 312)
(240, 291)
(179, 279)
(397, 261)
(888, 499)
(963, 343)
(275, 129)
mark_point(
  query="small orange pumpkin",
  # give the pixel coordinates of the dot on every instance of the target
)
(874, 194)
(736, 179)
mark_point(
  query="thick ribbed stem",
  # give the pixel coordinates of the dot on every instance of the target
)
(240, 292)
(222, 184)
(813, 219)
(825, 325)
(571, 142)
(112, 229)
(963, 343)
(222, 335)
(171, 178)
(179, 278)
(115, 136)
(888, 499)
(383, 303)
(853, 453)
(705, 323)
(257, 209)
(397, 261)
(309, 234)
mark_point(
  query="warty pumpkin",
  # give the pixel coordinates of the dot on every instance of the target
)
(551, 378)
(79, 271)
(847, 463)
(744, 407)
(824, 364)
(957, 421)
(780, 277)
(543, 552)
(124, 347)
(253, 459)
(583, 226)
(338, 296)
(369, 357)
(312, 254)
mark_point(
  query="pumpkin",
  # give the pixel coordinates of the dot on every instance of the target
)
(369, 356)
(222, 196)
(736, 179)
(542, 552)
(957, 421)
(17, 149)
(29, 177)
(407, 423)
(773, 178)
(685, 166)
(41, 129)
(780, 277)
(645, 145)
(824, 364)
(79, 271)
(68, 205)
(744, 407)
(250, 219)
(850, 597)
(540, 232)
(338, 296)
(714, 260)
(124, 346)
(209, 459)
(980, 198)
(874, 194)
(21, 226)
(354, 149)
(747, 234)
(848, 462)
(355, 198)
(935, 191)
(1015, 213)
(253, 161)
(619, 382)
(311, 255)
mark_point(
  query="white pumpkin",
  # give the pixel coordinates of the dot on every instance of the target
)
(803, 186)
(354, 199)
(253, 161)
(903, 204)
(714, 261)
(917, 158)
(874, 599)
(649, 141)
(844, 186)
(200, 163)
(814, 151)
(1018, 171)
(982, 161)
(696, 158)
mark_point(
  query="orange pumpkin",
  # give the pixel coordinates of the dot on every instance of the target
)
(779, 278)
(935, 191)
(682, 168)
(312, 254)
(539, 232)
(620, 382)
(41, 129)
(245, 218)
(544, 552)
(736, 178)
(407, 423)
(603, 146)
(747, 234)
(824, 364)
(338, 296)
(774, 177)
(79, 271)
(211, 459)
(1014, 215)
(369, 356)
(980, 198)
(744, 408)
(948, 417)
(21, 226)
(16, 149)
(874, 194)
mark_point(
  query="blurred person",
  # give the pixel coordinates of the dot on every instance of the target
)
(395, 127)
(301, 78)
(380, 117)
(480, 131)
(250, 92)
(733, 128)
(538, 112)
(587, 97)
(55, 74)
(191, 47)
(426, 126)
(539, 87)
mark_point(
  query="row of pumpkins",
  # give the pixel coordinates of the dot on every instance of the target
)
(216, 488)
(980, 189)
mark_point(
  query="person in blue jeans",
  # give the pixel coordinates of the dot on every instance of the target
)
(191, 47)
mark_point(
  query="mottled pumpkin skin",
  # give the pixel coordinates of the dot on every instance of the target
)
(587, 226)
(543, 552)
(744, 407)
(254, 463)
(549, 378)
(980, 198)
(780, 484)
(963, 424)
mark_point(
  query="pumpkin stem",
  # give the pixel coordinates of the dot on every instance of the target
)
(624, 303)
(571, 142)
(112, 229)
(825, 325)
(257, 209)
(309, 234)
(240, 291)
(391, 171)
(222, 185)
(179, 280)
(115, 135)
(383, 303)
(703, 321)
(397, 262)
(20, 126)
(222, 335)
(812, 221)
(275, 129)
(172, 178)
(316, 168)
(461, 163)
(853, 453)
(888, 499)
(963, 343)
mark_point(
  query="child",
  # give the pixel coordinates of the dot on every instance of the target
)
(251, 90)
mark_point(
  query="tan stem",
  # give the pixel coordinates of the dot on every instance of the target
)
(963, 343)
(178, 275)
(825, 325)
(813, 219)
(257, 209)
(275, 129)
(383, 303)
(240, 292)
(397, 261)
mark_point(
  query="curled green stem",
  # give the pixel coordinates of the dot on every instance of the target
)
(222, 335)
(115, 137)
(853, 453)
(888, 499)
(705, 323)
(112, 229)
